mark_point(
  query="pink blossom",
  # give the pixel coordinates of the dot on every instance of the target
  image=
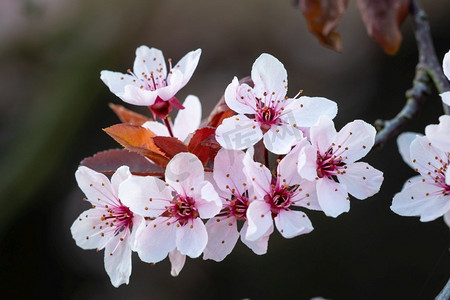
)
(175, 208)
(439, 135)
(275, 198)
(426, 195)
(150, 80)
(446, 66)
(236, 195)
(330, 162)
(186, 122)
(274, 117)
(109, 223)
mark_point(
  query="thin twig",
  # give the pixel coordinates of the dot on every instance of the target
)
(428, 73)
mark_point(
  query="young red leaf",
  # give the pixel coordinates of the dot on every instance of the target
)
(128, 116)
(383, 19)
(107, 162)
(201, 146)
(138, 139)
(322, 18)
(169, 146)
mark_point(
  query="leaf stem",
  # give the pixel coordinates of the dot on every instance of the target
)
(169, 127)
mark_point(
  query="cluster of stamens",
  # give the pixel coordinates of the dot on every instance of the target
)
(280, 197)
(329, 164)
(183, 209)
(118, 217)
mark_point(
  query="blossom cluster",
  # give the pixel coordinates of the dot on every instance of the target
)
(206, 187)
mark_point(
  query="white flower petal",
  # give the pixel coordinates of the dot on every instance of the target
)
(117, 81)
(307, 162)
(147, 196)
(183, 172)
(287, 169)
(228, 170)
(332, 197)
(354, 141)
(188, 119)
(238, 133)
(446, 65)
(260, 245)
(447, 218)
(222, 237)
(439, 134)
(258, 175)
(259, 219)
(187, 65)
(323, 134)
(156, 240)
(118, 177)
(306, 111)
(149, 60)
(118, 260)
(209, 203)
(240, 98)
(138, 96)
(96, 187)
(86, 232)
(306, 195)
(404, 141)
(157, 128)
(177, 261)
(175, 82)
(445, 97)
(425, 157)
(280, 139)
(361, 180)
(269, 75)
(192, 238)
(292, 223)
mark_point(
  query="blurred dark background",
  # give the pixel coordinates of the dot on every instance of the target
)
(54, 105)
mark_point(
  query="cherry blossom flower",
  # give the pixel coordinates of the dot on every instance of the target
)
(426, 195)
(439, 135)
(150, 81)
(446, 66)
(175, 208)
(274, 117)
(236, 194)
(276, 197)
(330, 162)
(109, 224)
(186, 122)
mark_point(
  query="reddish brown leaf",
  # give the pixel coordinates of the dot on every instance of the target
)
(170, 146)
(107, 162)
(202, 146)
(383, 19)
(138, 139)
(322, 17)
(128, 116)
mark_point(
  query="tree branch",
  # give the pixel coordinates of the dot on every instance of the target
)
(428, 73)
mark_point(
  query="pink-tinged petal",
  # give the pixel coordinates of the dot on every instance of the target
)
(445, 97)
(446, 65)
(306, 111)
(238, 133)
(175, 82)
(139, 223)
(157, 128)
(333, 197)
(280, 139)
(287, 169)
(439, 134)
(137, 95)
(354, 141)
(96, 187)
(323, 134)
(240, 98)
(183, 172)
(177, 261)
(412, 180)
(188, 119)
(270, 76)
(187, 65)
(259, 219)
(118, 260)
(404, 141)
(422, 199)
(122, 174)
(228, 170)
(192, 238)
(447, 218)
(258, 175)
(307, 166)
(292, 223)
(117, 81)
(86, 230)
(209, 203)
(222, 237)
(447, 177)
(149, 60)
(147, 196)
(260, 245)
(156, 240)
(425, 157)
(306, 195)
(361, 180)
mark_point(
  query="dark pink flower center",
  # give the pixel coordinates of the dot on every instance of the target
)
(329, 165)
(279, 198)
(119, 217)
(183, 210)
(237, 206)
